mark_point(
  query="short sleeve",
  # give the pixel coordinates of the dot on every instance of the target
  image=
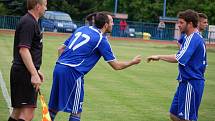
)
(67, 41)
(187, 49)
(26, 34)
(105, 50)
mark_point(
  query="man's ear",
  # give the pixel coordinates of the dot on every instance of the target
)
(37, 6)
(190, 23)
(106, 25)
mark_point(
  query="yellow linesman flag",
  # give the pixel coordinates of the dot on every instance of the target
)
(45, 112)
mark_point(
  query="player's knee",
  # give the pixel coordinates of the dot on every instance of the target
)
(173, 117)
(75, 117)
(77, 114)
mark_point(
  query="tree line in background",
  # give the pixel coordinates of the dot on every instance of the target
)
(137, 10)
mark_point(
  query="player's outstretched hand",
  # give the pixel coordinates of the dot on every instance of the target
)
(137, 59)
(153, 58)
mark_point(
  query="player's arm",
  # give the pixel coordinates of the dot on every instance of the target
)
(61, 49)
(119, 65)
(27, 59)
(63, 46)
(167, 58)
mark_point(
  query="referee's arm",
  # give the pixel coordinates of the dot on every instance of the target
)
(27, 59)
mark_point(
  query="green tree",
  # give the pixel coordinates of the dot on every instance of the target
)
(3, 9)
(137, 10)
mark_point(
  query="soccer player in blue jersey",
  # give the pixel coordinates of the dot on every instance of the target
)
(191, 59)
(203, 22)
(78, 56)
(202, 25)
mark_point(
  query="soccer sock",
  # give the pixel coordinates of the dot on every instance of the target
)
(11, 119)
(74, 118)
(52, 114)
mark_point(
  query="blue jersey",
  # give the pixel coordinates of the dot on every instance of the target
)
(192, 58)
(84, 48)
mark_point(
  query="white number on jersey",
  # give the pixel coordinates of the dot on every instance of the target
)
(77, 35)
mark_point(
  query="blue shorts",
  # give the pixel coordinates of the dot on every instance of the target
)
(187, 99)
(67, 91)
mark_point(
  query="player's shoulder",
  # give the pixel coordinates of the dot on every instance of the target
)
(88, 29)
(82, 28)
(104, 39)
(198, 36)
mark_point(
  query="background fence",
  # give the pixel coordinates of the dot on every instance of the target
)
(134, 29)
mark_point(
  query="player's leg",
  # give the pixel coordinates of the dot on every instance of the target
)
(52, 114)
(54, 96)
(174, 117)
(196, 97)
(78, 101)
(174, 107)
(67, 91)
(75, 117)
(189, 98)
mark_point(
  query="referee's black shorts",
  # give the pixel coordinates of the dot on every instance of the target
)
(23, 93)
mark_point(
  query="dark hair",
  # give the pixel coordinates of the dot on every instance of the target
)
(189, 16)
(101, 19)
(90, 17)
(108, 13)
(202, 15)
(32, 3)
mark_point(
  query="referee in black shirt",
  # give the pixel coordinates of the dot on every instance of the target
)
(25, 77)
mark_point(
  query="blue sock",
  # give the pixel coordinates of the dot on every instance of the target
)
(52, 114)
(74, 118)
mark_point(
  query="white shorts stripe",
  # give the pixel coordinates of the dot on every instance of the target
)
(70, 95)
(188, 101)
(77, 96)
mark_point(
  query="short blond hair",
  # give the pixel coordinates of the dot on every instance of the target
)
(32, 3)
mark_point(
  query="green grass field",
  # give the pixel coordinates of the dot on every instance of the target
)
(140, 93)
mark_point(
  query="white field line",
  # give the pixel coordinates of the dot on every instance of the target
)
(5, 93)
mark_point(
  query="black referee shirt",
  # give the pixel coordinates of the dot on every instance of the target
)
(28, 35)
